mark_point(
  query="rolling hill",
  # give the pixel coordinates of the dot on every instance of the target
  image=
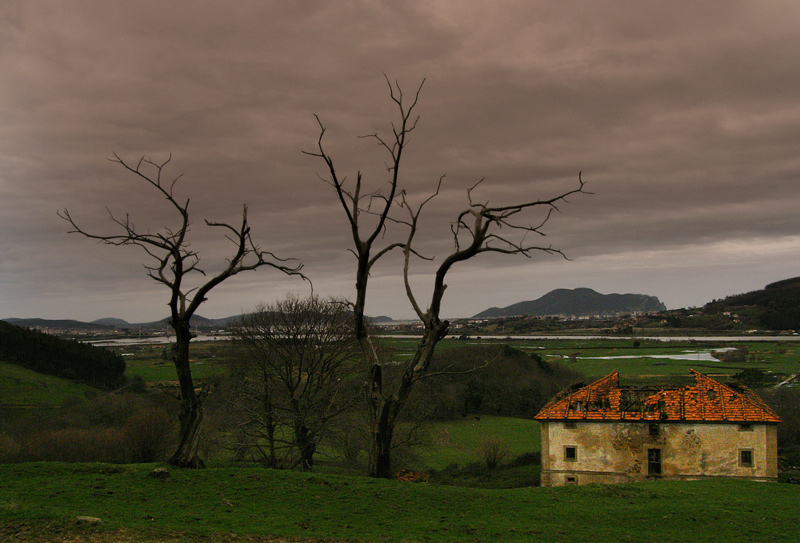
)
(775, 307)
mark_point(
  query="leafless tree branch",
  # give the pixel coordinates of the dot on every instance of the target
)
(172, 262)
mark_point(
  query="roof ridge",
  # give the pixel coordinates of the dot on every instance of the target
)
(707, 400)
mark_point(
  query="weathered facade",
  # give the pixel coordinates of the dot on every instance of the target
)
(604, 433)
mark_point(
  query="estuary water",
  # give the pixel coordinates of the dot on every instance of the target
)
(159, 340)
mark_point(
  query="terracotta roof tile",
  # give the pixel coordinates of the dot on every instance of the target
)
(706, 400)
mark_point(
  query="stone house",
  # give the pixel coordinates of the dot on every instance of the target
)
(607, 433)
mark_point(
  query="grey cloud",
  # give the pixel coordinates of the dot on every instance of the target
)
(683, 118)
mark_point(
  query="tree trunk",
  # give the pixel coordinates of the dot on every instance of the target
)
(307, 446)
(190, 415)
(382, 431)
(191, 419)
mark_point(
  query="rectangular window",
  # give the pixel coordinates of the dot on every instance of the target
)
(746, 458)
(569, 425)
(654, 461)
(745, 427)
(570, 453)
(572, 481)
(653, 429)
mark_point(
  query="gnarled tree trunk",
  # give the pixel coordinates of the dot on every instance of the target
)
(190, 415)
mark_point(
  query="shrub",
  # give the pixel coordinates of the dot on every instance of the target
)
(489, 380)
(9, 448)
(786, 402)
(73, 445)
(527, 459)
(113, 428)
(734, 356)
(146, 436)
(493, 450)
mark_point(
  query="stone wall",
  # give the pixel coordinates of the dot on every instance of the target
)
(613, 452)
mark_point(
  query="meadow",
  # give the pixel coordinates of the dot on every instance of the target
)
(595, 358)
(51, 502)
(462, 500)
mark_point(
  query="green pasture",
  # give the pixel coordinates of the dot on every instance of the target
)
(153, 363)
(593, 357)
(157, 371)
(669, 360)
(657, 359)
(637, 360)
(23, 387)
(458, 442)
(45, 502)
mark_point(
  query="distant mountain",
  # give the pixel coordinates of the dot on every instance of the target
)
(114, 323)
(197, 321)
(61, 324)
(382, 318)
(111, 324)
(775, 307)
(579, 302)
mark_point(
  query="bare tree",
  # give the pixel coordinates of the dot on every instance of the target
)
(301, 356)
(475, 230)
(172, 263)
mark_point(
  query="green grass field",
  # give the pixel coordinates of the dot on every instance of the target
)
(593, 357)
(153, 364)
(42, 502)
(599, 357)
(458, 442)
(23, 387)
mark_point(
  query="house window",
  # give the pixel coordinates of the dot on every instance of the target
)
(570, 453)
(569, 425)
(572, 480)
(745, 427)
(654, 461)
(654, 431)
(746, 458)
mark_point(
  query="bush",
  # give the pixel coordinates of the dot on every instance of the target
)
(738, 355)
(73, 445)
(9, 448)
(786, 402)
(527, 459)
(493, 450)
(489, 380)
(147, 436)
(114, 428)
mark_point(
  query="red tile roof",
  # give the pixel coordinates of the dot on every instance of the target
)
(706, 400)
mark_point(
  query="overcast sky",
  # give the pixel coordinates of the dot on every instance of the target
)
(684, 118)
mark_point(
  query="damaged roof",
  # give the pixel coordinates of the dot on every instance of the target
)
(706, 400)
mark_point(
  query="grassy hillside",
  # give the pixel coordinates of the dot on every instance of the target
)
(23, 387)
(776, 306)
(41, 502)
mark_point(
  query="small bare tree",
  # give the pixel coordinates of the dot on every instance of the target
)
(172, 263)
(475, 230)
(301, 354)
(493, 450)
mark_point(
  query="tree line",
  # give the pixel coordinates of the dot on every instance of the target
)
(65, 358)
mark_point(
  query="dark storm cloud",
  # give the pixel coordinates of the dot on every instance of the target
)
(682, 116)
